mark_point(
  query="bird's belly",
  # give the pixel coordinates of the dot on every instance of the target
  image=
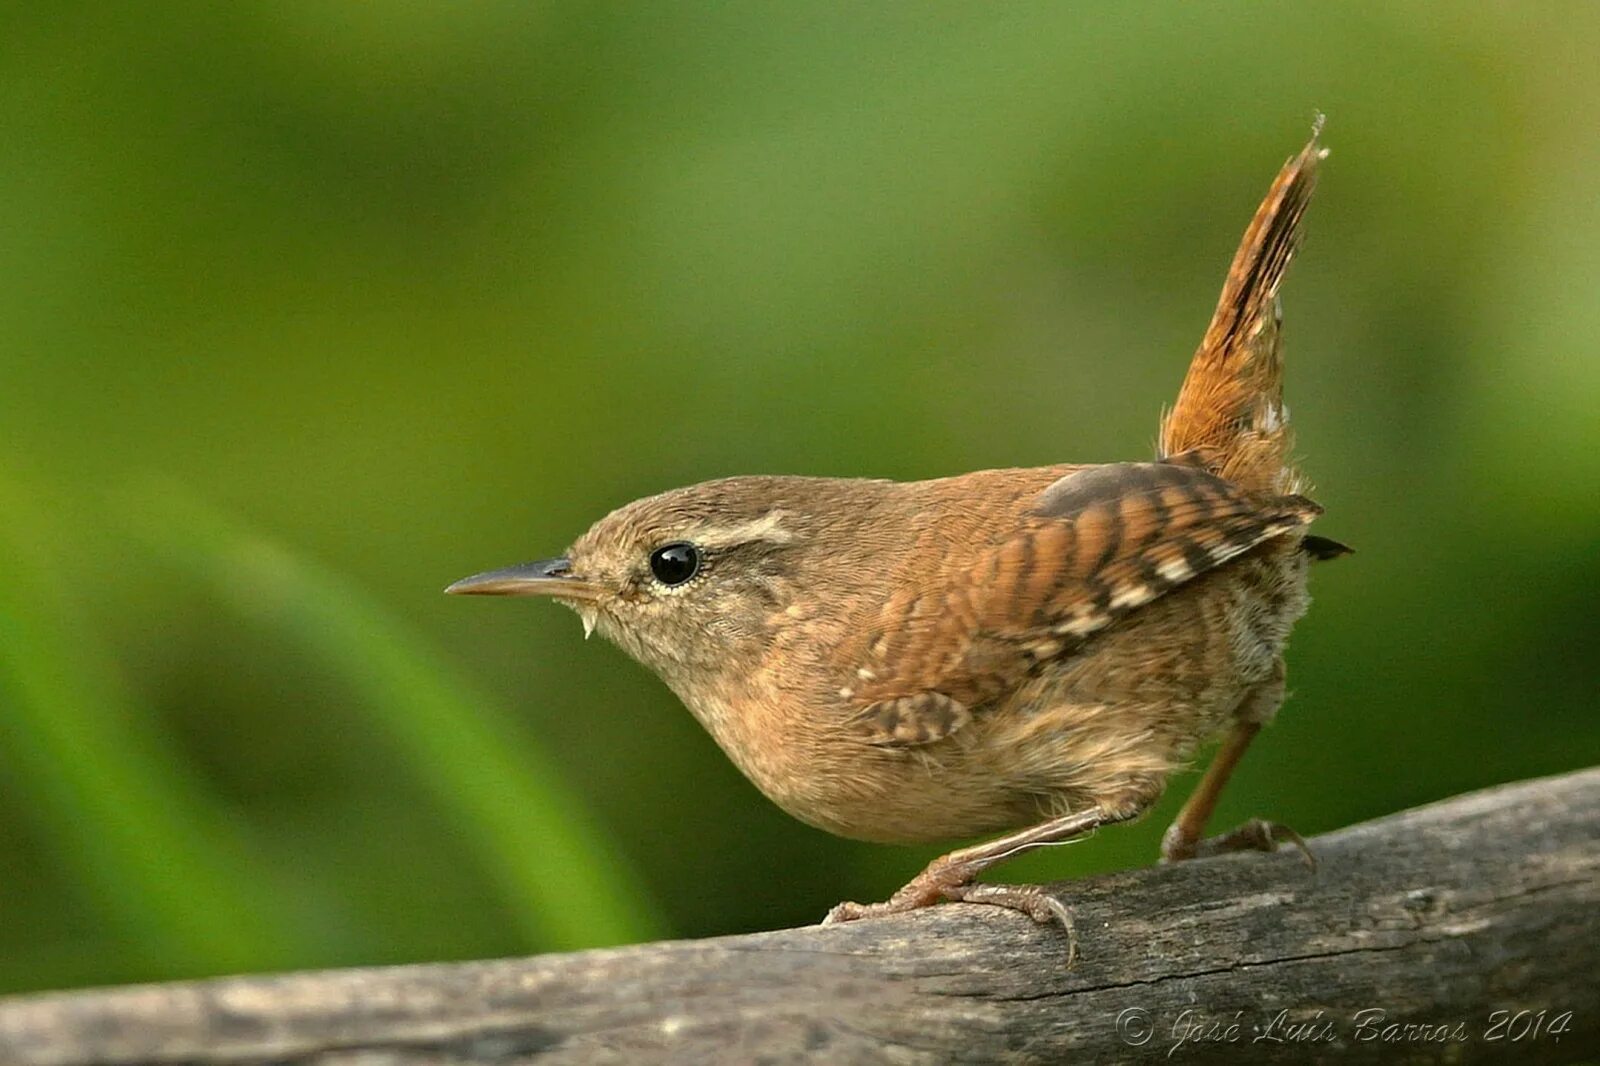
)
(1104, 725)
(836, 782)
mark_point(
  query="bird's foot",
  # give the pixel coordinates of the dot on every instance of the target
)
(1254, 835)
(1031, 900)
(952, 883)
(951, 877)
(938, 882)
(850, 911)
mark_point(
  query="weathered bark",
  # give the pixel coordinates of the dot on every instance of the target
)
(1439, 917)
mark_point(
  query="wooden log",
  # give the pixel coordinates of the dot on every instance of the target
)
(1465, 931)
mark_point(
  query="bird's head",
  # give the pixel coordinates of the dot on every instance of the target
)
(690, 582)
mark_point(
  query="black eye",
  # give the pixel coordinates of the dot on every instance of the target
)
(673, 564)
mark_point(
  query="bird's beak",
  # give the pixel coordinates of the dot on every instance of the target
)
(547, 577)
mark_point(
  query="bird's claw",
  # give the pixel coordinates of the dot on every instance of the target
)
(846, 912)
(1031, 900)
(1255, 835)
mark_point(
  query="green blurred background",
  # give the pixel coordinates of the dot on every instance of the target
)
(312, 308)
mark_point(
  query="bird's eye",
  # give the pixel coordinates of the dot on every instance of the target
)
(673, 564)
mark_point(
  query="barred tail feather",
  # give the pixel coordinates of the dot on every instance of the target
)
(1230, 409)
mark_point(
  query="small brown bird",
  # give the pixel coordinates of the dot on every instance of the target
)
(1033, 648)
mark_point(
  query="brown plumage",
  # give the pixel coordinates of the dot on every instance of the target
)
(1231, 402)
(1028, 647)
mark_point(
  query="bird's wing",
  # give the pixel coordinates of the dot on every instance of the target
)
(1097, 544)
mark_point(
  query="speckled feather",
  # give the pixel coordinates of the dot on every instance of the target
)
(1098, 543)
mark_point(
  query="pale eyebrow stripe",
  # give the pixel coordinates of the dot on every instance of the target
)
(769, 528)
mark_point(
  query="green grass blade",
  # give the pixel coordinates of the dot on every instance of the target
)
(566, 887)
(151, 849)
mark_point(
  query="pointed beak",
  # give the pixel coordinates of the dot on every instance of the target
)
(547, 577)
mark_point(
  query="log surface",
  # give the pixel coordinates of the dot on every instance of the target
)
(1465, 931)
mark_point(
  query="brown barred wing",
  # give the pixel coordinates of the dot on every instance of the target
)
(1109, 539)
(1097, 544)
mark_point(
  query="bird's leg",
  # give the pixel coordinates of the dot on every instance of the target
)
(950, 877)
(1182, 839)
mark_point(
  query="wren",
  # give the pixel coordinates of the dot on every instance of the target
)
(1028, 651)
